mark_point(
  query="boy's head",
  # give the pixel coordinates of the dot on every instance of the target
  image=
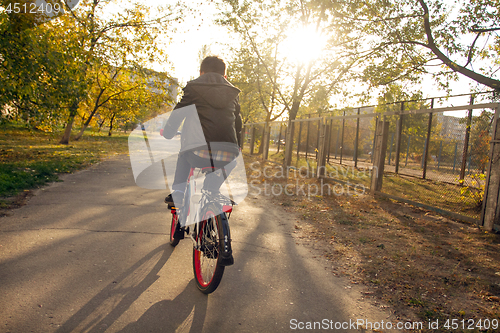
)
(213, 64)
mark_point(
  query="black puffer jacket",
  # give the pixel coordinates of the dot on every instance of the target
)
(218, 109)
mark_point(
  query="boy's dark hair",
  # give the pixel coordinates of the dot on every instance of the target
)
(213, 64)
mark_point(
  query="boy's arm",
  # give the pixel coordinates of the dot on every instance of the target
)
(177, 116)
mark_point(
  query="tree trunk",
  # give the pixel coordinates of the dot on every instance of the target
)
(264, 134)
(67, 130)
(288, 144)
(80, 134)
(101, 124)
(92, 114)
(71, 119)
(289, 135)
(111, 125)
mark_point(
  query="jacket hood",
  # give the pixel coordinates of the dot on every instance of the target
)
(214, 89)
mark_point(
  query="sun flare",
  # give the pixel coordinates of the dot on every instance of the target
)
(304, 44)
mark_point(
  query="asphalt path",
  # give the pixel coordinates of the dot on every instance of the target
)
(91, 254)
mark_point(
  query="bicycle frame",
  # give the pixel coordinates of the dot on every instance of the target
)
(203, 199)
(210, 233)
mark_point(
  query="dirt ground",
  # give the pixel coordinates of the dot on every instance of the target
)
(6, 204)
(417, 264)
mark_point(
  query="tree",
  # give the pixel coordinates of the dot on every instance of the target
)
(127, 39)
(258, 99)
(295, 46)
(37, 71)
(411, 38)
(241, 73)
(135, 86)
(78, 62)
(480, 138)
(204, 52)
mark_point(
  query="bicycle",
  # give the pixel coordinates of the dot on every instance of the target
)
(210, 234)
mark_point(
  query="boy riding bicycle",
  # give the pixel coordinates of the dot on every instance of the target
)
(217, 107)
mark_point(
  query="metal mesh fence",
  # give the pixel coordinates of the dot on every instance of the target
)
(335, 150)
(252, 137)
(446, 147)
(442, 158)
(434, 157)
(351, 138)
(277, 134)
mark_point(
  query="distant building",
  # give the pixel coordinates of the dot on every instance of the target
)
(451, 128)
(156, 79)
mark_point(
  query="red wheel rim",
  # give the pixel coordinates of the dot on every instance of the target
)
(172, 226)
(199, 255)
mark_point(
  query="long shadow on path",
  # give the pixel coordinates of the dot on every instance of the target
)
(104, 309)
(185, 313)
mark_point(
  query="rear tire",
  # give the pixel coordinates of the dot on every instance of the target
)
(207, 266)
(173, 225)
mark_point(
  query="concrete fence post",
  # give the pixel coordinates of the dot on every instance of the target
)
(324, 129)
(298, 144)
(425, 155)
(466, 141)
(399, 131)
(356, 140)
(243, 136)
(491, 200)
(279, 137)
(288, 144)
(266, 138)
(252, 139)
(342, 139)
(381, 138)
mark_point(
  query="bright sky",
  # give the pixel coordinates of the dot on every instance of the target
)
(195, 31)
(192, 33)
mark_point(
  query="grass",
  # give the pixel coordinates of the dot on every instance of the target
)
(442, 195)
(309, 165)
(30, 158)
(438, 194)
